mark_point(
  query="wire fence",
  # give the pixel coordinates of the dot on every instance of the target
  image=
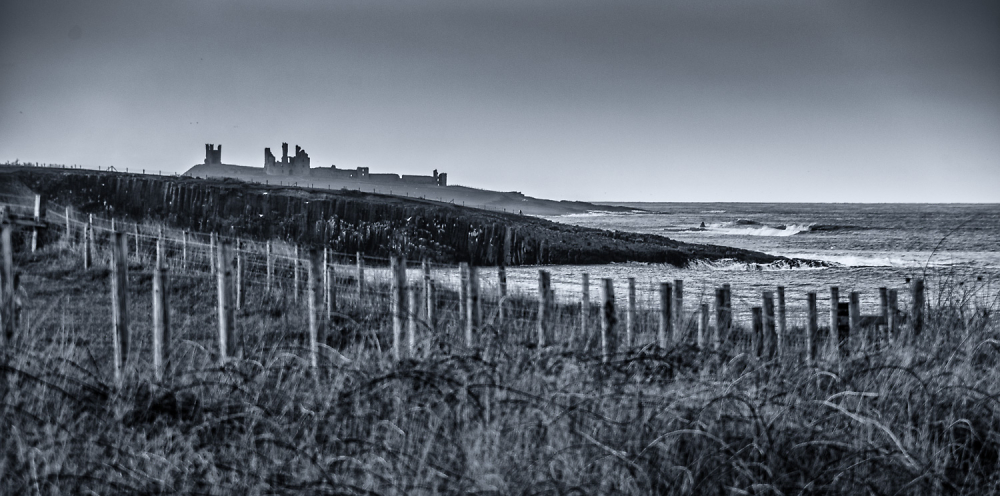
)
(282, 297)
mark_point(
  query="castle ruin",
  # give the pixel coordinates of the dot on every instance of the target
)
(299, 166)
(289, 166)
(213, 156)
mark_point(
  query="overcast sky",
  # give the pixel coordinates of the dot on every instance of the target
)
(702, 100)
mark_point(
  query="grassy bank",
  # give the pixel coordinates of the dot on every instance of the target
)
(502, 418)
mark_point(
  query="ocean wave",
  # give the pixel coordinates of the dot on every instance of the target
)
(754, 229)
(914, 259)
(729, 264)
(598, 213)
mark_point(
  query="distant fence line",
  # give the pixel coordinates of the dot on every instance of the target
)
(424, 298)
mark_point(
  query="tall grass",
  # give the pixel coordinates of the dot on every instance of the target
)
(502, 418)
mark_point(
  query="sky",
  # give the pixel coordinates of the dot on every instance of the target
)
(646, 100)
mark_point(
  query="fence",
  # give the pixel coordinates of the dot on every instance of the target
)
(429, 304)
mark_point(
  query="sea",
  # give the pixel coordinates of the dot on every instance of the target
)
(955, 248)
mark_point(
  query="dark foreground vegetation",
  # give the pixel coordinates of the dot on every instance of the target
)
(502, 418)
(350, 221)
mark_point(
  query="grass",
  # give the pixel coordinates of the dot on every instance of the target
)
(502, 418)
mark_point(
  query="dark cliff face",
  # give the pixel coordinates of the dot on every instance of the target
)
(350, 221)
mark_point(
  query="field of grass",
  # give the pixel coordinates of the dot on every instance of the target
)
(501, 418)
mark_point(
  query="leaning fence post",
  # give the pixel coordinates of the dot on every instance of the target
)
(544, 284)
(883, 306)
(666, 315)
(119, 303)
(770, 341)
(269, 266)
(917, 307)
(398, 277)
(473, 307)
(161, 314)
(184, 250)
(7, 301)
(224, 271)
(812, 329)
(313, 282)
(136, 229)
(608, 320)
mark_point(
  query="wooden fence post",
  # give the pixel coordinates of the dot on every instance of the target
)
(463, 295)
(720, 317)
(893, 323)
(770, 335)
(608, 320)
(330, 280)
(502, 278)
(316, 324)
(361, 278)
(411, 318)
(69, 229)
(431, 306)
(782, 319)
(295, 275)
(7, 300)
(666, 315)
(917, 307)
(224, 271)
(135, 227)
(834, 302)
(398, 268)
(184, 250)
(854, 313)
(843, 329)
(240, 280)
(269, 264)
(680, 324)
(213, 252)
(161, 314)
(473, 307)
(630, 314)
(728, 292)
(430, 303)
(703, 326)
(119, 303)
(544, 284)
(757, 339)
(88, 243)
(812, 329)
(585, 307)
(883, 306)
(36, 243)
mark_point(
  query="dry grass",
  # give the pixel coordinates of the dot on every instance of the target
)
(504, 418)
